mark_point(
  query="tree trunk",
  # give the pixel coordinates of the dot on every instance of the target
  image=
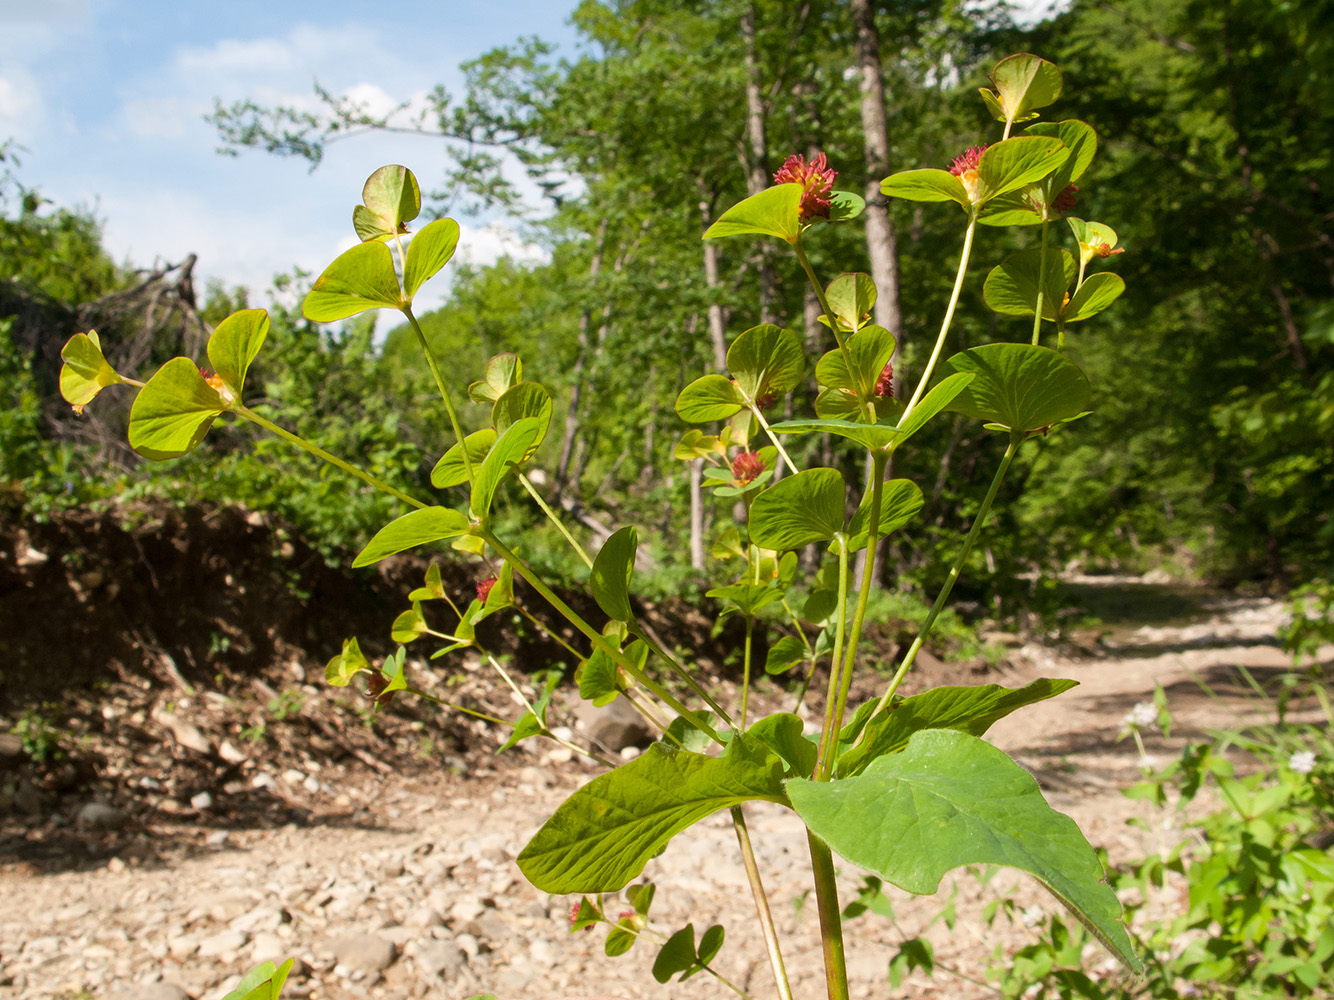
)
(717, 322)
(697, 514)
(757, 159)
(580, 366)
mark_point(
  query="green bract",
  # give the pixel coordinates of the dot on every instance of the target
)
(775, 211)
(851, 297)
(1024, 82)
(1019, 387)
(85, 372)
(173, 411)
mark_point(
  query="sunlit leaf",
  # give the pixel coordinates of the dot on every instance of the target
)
(360, 279)
(775, 211)
(766, 360)
(235, 343)
(174, 411)
(428, 252)
(926, 185)
(798, 510)
(507, 452)
(612, 568)
(712, 397)
(1019, 386)
(390, 198)
(85, 371)
(1096, 293)
(420, 527)
(450, 470)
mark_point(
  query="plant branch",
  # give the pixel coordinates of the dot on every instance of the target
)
(949, 316)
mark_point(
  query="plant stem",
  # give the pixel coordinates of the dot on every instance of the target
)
(1016, 438)
(642, 633)
(773, 437)
(457, 708)
(949, 315)
(880, 460)
(1042, 284)
(594, 636)
(319, 452)
(551, 516)
(745, 669)
(761, 904)
(444, 393)
(831, 919)
(827, 734)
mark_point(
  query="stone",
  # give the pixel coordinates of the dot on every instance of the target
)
(185, 734)
(442, 959)
(363, 953)
(228, 752)
(151, 991)
(202, 801)
(99, 816)
(224, 944)
(11, 751)
(615, 726)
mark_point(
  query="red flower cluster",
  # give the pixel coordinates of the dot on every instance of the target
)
(815, 177)
(375, 686)
(1065, 201)
(967, 160)
(746, 467)
(484, 588)
(884, 384)
(1104, 249)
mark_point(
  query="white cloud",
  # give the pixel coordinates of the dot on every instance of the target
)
(163, 117)
(44, 10)
(20, 103)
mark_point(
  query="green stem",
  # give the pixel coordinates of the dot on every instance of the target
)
(773, 437)
(880, 460)
(1042, 284)
(827, 733)
(831, 919)
(679, 669)
(745, 669)
(1016, 438)
(551, 516)
(594, 636)
(444, 393)
(949, 315)
(761, 904)
(319, 452)
(457, 708)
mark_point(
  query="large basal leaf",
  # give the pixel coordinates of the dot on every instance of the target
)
(1013, 164)
(430, 524)
(390, 198)
(940, 396)
(851, 297)
(602, 836)
(900, 500)
(526, 399)
(775, 211)
(1019, 386)
(766, 359)
(85, 371)
(450, 470)
(508, 451)
(869, 351)
(784, 734)
(712, 397)
(174, 411)
(1012, 286)
(235, 343)
(360, 279)
(867, 435)
(948, 800)
(612, 568)
(926, 185)
(1096, 293)
(799, 510)
(1024, 82)
(970, 710)
(428, 252)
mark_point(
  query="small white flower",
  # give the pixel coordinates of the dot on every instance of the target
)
(1144, 714)
(1303, 762)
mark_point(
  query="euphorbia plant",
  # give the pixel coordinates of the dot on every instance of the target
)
(902, 787)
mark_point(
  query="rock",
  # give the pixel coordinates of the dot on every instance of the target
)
(614, 726)
(426, 917)
(11, 751)
(98, 816)
(468, 945)
(151, 991)
(263, 779)
(228, 752)
(364, 953)
(443, 959)
(223, 945)
(183, 733)
(202, 801)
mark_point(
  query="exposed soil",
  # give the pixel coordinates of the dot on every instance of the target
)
(196, 745)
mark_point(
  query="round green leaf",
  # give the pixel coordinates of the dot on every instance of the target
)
(174, 411)
(507, 452)
(360, 279)
(783, 653)
(712, 397)
(950, 799)
(851, 297)
(430, 524)
(677, 955)
(342, 668)
(599, 681)
(900, 500)
(844, 205)
(925, 185)
(840, 404)
(408, 626)
(1096, 293)
(799, 510)
(391, 197)
(610, 578)
(235, 343)
(766, 359)
(775, 211)
(1019, 386)
(1024, 82)
(502, 371)
(428, 252)
(450, 470)
(85, 371)
(710, 942)
(869, 350)
(521, 401)
(1078, 137)
(1012, 287)
(1015, 163)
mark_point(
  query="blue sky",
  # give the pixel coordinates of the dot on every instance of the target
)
(107, 99)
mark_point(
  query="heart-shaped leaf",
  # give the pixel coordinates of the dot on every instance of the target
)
(869, 351)
(602, 836)
(612, 568)
(507, 452)
(428, 252)
(1096, 293)
(712, 397)
(391, 197)
(783, 653)
(926, 185)
(450, 470)
(85, 371)
(1024, 82)
(1015, 163)
(521, 401)
(430, 524)
(1012, 287)
(342, 668)
(775, 211)
(766, 360)
(235, 343)
(900, 500)
(502, 371)
(851, 297)
(174, 411)
(799, 510)
(360, 279)
(950, 799)
(408, 626)
(1020, 387)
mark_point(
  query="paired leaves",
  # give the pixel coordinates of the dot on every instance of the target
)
(173, 411)
(1024, 83)
(359, 279)
(1020, 387)
(85, 371)
(390, 198)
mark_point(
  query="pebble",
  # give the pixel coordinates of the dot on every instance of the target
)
(98, 816)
